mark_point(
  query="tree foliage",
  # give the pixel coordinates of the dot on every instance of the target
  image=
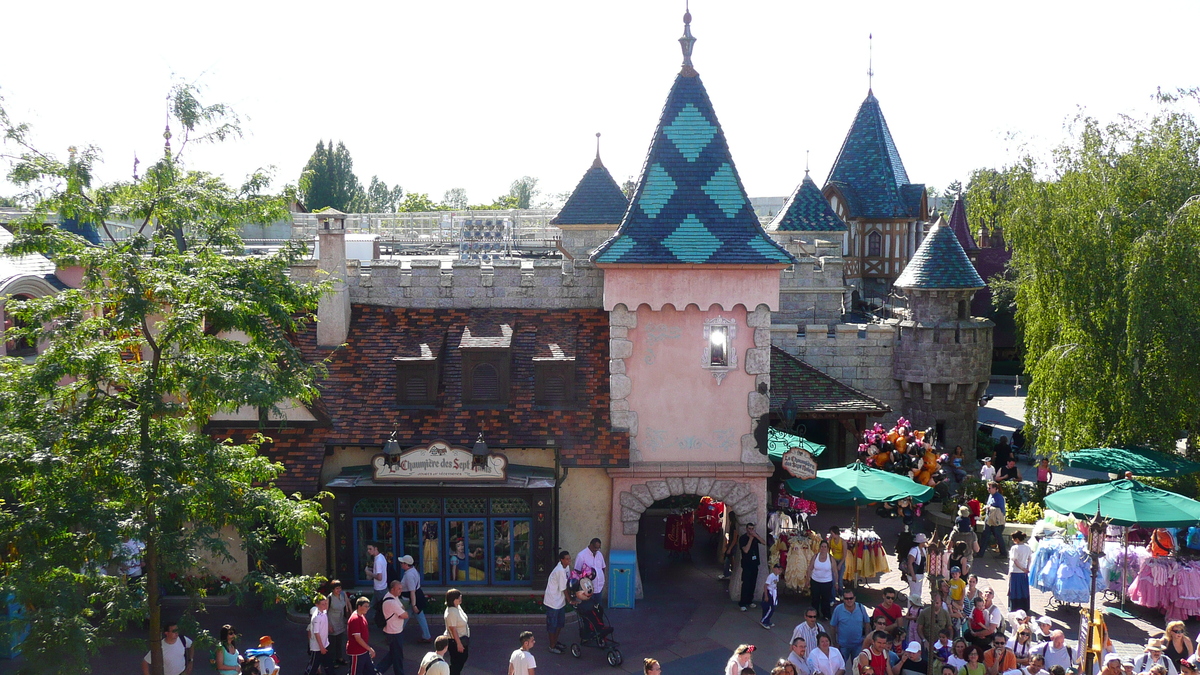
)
(417, 201)
(987, 198)
(382, 199)
(455, 198)
(328, 180)
(1106, 255)
(523, 191)
(102, 437)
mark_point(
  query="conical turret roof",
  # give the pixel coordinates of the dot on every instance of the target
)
(940, 263)
(807, 210)
(689, 206)
(596, 200)
(958, 223)
(869, 172)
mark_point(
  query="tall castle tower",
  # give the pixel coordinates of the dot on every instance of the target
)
(942, 357)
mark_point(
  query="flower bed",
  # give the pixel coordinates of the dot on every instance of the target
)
(196, 584)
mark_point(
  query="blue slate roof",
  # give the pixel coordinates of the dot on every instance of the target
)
(869, 172)
(940, 262)
(807, 210)
(596, 200)
(689, 205)
(962, 229)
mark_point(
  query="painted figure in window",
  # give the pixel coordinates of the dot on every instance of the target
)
(458, 558)
(500, 548)
(429, 550)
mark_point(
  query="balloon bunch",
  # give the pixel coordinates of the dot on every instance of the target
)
(901, 450)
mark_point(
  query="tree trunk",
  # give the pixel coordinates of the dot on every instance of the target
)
(152, 599)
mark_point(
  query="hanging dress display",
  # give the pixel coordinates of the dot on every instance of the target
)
(681, 532)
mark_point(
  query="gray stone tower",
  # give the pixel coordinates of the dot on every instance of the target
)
(942, 358)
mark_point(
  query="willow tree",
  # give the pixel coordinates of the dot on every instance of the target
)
(1106, 256)
(101, 438)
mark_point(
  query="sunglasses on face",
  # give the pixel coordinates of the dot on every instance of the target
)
(889, 597)
(810, 616)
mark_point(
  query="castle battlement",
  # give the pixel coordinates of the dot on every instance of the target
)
(432, 283)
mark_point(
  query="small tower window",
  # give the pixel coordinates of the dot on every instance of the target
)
(874, 245)
(720, 357)
(964, 311)
(718, 346)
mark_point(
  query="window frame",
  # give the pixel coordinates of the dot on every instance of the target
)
(427, 369)
(501, 360)
(874, 244)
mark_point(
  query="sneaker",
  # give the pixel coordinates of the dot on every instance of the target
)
(555, 650)
(559, 645)
(752, 605)
(765, 626)
(742, 608)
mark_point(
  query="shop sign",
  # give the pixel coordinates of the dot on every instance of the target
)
(799, 463)
(439, 461)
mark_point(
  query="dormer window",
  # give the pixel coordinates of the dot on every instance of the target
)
(486, 358)
(418, 368)
(720, 357)
(554, 367)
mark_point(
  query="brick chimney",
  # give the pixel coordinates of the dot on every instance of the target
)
(333, 309)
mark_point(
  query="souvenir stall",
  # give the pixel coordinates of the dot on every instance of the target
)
(1161, 578)
(858, 485)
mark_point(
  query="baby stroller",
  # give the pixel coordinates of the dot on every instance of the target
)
(594, 630)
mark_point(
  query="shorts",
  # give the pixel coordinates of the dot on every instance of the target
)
(556, 618)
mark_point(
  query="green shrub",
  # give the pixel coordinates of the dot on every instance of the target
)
(1026, 514)
(291, 591)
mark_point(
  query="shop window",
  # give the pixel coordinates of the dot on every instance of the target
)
(554, 383)
(375, 505)
(371, 531)
(511, 551)
(485, 376)
(420, 505)
(416, 382)
(874, 245)
(467, 561)
(466, 505)
(510, 505)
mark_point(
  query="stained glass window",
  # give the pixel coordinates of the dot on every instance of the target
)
(375, 505)
(422, 505)
(466, 505)
(509, 505)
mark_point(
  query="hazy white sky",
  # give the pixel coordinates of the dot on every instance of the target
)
(473, 94)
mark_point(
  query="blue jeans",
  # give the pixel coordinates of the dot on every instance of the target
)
(421, 621)
(989, 531)
(395, 655)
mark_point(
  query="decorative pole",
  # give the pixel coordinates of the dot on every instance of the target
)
(1095, 542)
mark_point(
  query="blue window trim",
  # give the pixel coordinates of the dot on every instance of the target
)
(360, 564)
(419, 558)
(512, 570)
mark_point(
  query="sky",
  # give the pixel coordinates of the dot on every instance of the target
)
(435, 95)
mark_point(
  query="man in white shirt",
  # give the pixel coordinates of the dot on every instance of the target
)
(377, 573)
(393, 631)
(131, 564)
(799, 657)
(521, 662)
(177, 653)
(319, 656)
(809, 629)
(593, 558)
(434, 662)
(555, 601)
(1056, 652)
(410, 588)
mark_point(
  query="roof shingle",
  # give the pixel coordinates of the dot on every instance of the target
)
(869, 172)
(597, 200)
(815, 392)
(958, 223)
(807, 210)
(940, 263)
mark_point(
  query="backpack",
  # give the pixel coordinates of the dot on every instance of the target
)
(381, 619)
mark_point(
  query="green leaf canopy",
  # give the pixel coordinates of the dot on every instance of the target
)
(1127, 502)
(1139, 461)
(858, 484)
(779, 442)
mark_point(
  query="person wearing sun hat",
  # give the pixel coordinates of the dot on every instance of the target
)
(1154, 657)
(265, 652)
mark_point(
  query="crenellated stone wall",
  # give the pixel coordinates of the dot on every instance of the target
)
(425, 283)
(813, 290)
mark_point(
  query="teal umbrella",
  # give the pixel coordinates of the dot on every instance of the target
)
(859, 484)
(1127, 502)
(1137, 460)
(779, 442)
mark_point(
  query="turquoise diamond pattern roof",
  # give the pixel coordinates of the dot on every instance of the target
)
(869, 165)
(807, 210)
(689, 205)
(940, 262)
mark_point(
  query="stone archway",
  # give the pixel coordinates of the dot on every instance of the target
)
(739, 498)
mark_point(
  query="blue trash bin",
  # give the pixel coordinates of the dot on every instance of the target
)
(622, 579)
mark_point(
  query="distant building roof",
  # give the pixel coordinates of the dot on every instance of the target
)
(807, 210)
(28, 265)
(689, 205)
(958, 223)
(596, 200)
(814, 391)
(940, 262)
(869, 172)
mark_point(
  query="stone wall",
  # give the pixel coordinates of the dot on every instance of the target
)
(813, 290)
(580, 240)
(859, 355)
(425, 283)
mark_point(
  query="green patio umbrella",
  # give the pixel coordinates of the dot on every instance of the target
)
(858, 484)
(1137, 460)
(779, 442)
(1127, 502)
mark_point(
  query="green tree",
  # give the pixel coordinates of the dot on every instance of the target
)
(987, 198)
(102, 437)
(523, 190)
(455, 198)
(328, 180)
(417, 201)
(628, 187)
(382, 199)
(1106, 256)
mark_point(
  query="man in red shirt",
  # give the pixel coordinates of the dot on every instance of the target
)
(888, 609)
(358, 634)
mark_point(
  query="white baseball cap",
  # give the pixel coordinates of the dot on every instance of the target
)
(913, 647)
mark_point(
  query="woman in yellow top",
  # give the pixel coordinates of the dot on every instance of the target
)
(837, 551)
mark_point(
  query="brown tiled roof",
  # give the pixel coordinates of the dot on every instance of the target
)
(814, 391)
(360, 392)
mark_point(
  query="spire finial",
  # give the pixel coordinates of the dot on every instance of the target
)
(687, 42)
(806, 162)
(870, 61)
(597, 164)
